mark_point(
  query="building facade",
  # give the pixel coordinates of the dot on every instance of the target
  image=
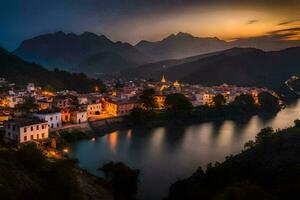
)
(26, 129)
(52, 118)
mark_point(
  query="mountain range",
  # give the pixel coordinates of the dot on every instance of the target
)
(185, 45)
(86, 52)
(239, 66)
(96, 54)
(18, 71)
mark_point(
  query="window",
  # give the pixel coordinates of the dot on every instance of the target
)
(31, 137)
(37, 136)
(52, 126)
(31, 128)
(51, 118)
(25, 130)
(37, 127)
(14, 127)
(43, 135)
(57, 125)
(25, 138)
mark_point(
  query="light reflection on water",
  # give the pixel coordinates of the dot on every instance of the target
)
(167, 154)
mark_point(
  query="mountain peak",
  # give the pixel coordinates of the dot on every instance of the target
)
(183, 34)
(90, 34)
(60, 33)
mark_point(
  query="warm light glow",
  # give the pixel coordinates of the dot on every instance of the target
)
(66, 150)
(112, 141)
(129, 133)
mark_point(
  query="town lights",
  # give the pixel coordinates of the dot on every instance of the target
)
(66, 150)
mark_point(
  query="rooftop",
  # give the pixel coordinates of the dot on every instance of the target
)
(26, 121)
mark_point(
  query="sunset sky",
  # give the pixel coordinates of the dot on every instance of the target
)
(135, 20)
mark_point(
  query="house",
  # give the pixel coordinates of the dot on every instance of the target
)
(14, 100)
(26, 129)
(94, 109)
(4, 116)
(119, 107)
(65, 115)
(53, 119)
(79, 116)
(63, 102)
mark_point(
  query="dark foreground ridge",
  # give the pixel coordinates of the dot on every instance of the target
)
(268, 168)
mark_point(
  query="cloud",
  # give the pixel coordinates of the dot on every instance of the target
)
(288, 22)
(286, 33)
(253, 21)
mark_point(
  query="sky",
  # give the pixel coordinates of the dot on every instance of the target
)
(135, 20)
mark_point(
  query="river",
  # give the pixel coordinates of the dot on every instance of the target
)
(167, 154)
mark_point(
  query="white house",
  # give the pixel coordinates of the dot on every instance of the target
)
(78, 117)
(53, 119)
(26, 129)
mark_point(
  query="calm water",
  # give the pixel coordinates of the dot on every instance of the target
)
(167, 154)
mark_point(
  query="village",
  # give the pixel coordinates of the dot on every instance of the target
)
(31, 113)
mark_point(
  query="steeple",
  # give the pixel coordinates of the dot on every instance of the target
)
(163, 80)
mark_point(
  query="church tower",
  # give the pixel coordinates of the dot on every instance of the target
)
(163, 80)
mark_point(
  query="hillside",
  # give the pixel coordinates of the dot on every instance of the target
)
(184, 45)
(27, 174)
(67, 51)
(234, 66)
(267, 169)
(21, 72)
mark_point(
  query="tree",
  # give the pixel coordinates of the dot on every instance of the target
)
(219, 100)
(244, 104)
(148, 100)
(178, 104)
(297, 123)
(264, 134)
(123, 179)
(250, 144)
(268, 102)
(139, 115)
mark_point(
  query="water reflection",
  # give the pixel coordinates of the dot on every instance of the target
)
(167, 154)
(113, 141)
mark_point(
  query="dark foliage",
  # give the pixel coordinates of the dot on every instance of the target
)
(177, 104)
(269, 169)
(219, 100)
(21, 72)
(148, 100)
(268, 103)
(244, 104)
(27, 174)
(123, 179)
